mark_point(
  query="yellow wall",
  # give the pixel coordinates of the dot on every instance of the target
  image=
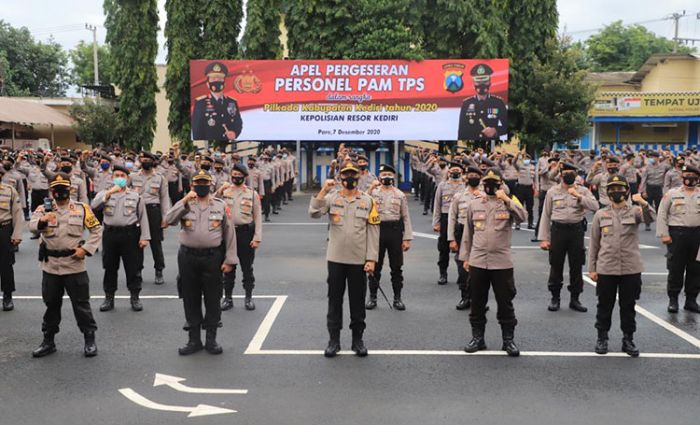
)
(637, 133)
(673, 75)
(161, 140)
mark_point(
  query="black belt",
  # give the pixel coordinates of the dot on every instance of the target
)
(684, 229)
(567, 225)
(391, 224)
(152, 206)
(245, 226)
(6, 223)
(121, 228)
(200, 252)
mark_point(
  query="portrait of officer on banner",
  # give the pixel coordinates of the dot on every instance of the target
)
(482, 117)
(216, 116)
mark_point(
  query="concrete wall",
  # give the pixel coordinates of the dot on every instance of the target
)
(673, 75)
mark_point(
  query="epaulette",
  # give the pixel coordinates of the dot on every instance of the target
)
(201, 97)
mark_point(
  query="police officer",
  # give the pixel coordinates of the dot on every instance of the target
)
(547, 174)
(126, 232)
(395, 234)
(220, 175)
(11, 222)
(443, 198)
(216, 116)
(678, 226)
(153, 189)
(255, 177)
(561, 232)
(615, 262)
(366, 177)
(353, 245)
(207, 249)
(599, 178)
(78, 189)
(653, 179)
(266, 171)
(485, 250)
(482, 117)
(14, 178)
(62, 254)
(525, 188)
(244, 204)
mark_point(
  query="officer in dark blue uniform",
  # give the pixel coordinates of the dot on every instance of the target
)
(482, 117)
(216, 116)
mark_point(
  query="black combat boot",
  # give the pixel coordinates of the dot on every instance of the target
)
(371, 302)
(194, 344)
(358, 346)
(227, 303)
(398, 303)
(465, 302)
(211, 345)
(673, 303)
(576, 305)
(159, 277)
(7, 304)
(555, 302)
(333, 345)
(628, 345)
(477, 343)
(136, 303)
(90, 349)
(47, 346)
(601, 345)
(249, 304)
(108, 303)
(691, 304)
(509, 343)
(443, 278)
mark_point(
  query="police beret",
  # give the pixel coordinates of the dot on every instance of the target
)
(148, 155)
(690, 169)
(362, 158)
(567, 166)
(241, 168)
(492, 174)
(218, 161)
(553, 159)
(488, 162)
(120, 168)
(216, 69)
(614, 159)
(201, 175)
(106, 157)
(60, 179)
(252, 158)
(617, 180)
(386, 168)
(349, 167)
(206, 158)
(481, 72)
(473, 170)
(74, 157)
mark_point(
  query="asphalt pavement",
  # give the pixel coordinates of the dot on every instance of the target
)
(416, 372)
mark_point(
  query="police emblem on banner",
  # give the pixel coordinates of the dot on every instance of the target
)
(453, 77)
(247, 82)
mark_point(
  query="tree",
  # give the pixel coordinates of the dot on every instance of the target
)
(261, 39)
(319, 29)
(557, 110)
(626, 48)
(183, 32)
(96, 123)
(31, 68)
(221, 23)
(132, 29)
(83, 72)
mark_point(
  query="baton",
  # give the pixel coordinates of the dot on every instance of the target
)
(382, 291)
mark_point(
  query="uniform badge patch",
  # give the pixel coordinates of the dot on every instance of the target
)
(90, 220)
(373, 216)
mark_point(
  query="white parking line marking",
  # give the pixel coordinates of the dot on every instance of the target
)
(143, 297)
(256, 343)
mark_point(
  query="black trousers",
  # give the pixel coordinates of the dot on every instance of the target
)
(634, 187)
(352, 276)
(200, 278)
(7, 260)
(527, 197)
(174, 192)
(290, 188)
(246, 256)
(37, 198)
(654, 194)
(629, 288)
(417, 183)
(267, 199)
(567, 241)
(427, 192)
(681, 261)
(155, 218)
(185, 186)
(77, 286)
(277, 198)
(390, 239)
(121, 243)
(503, 285)
(443, 246)
(462, 275)
(540, 208)
(512, 184)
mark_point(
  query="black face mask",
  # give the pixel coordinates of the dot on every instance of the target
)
(146, 165)
(455, 176)
(251, 165)
(219, 169)
(474, 181)
(183, 157)
(613, 170)
(569, 178)
(443, 165)
(216, 86)
(363, 167)
(491, 188)
(387, 181)
(617, 197)
(7, 166)
(171, 162)
(205, 167)
(690, 181)
(201, 191)
(350, 182)
(238, 180)
(482, 89)
(67, 169)
(61, 194)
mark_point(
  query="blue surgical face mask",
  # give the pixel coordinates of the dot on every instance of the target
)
(129, 165)
(526, 162)
(104, 165)
(120, 181)
(652, 161)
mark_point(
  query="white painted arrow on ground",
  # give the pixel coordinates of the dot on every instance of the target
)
(199, 410)
(174, 383)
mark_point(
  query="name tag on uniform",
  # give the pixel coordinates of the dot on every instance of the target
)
(502, 215)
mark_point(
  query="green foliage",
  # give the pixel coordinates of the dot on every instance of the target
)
(96, 123)
(319, 29)
(221, 23)
(132, 28)
(83, 72)
(28, 67)
(625, 48)
(261, 39)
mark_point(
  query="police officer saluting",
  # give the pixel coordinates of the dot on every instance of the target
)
(561, 232)
(207, 249)
(244, 204)
(126, 231)
(11, 221)
(395, 234)
(216, 116)
(678, 226)
(353, 244)
(62, 254)
(485, 250)
(615, 262)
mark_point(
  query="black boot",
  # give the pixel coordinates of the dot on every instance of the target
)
(333, 345)
(509, 343)
(90, 349)
(227, 303)
(673, 303)
(108, 303)
(159, 277)
(249, 304)
(601, 345)
(372, 302)
(628, 345)
(398, 304)
(443, 279)
(691, 304)
(465, 302)
(194, 344)
(477, 343)
(7, 304)
(358, 346)
(576, 305)
(136, 303)
(211, 345)
(47, 346)
(555, 302)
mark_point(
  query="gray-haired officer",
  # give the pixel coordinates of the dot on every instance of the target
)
(443, 199)
(615, 262)
(678, 226)
(11, 223)
(126, 231)
(395, 234)
(486, 252)
(216, 116)
(62, 255)
(561, 232)
(353, 245)
(207, 249)
(246, 213)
